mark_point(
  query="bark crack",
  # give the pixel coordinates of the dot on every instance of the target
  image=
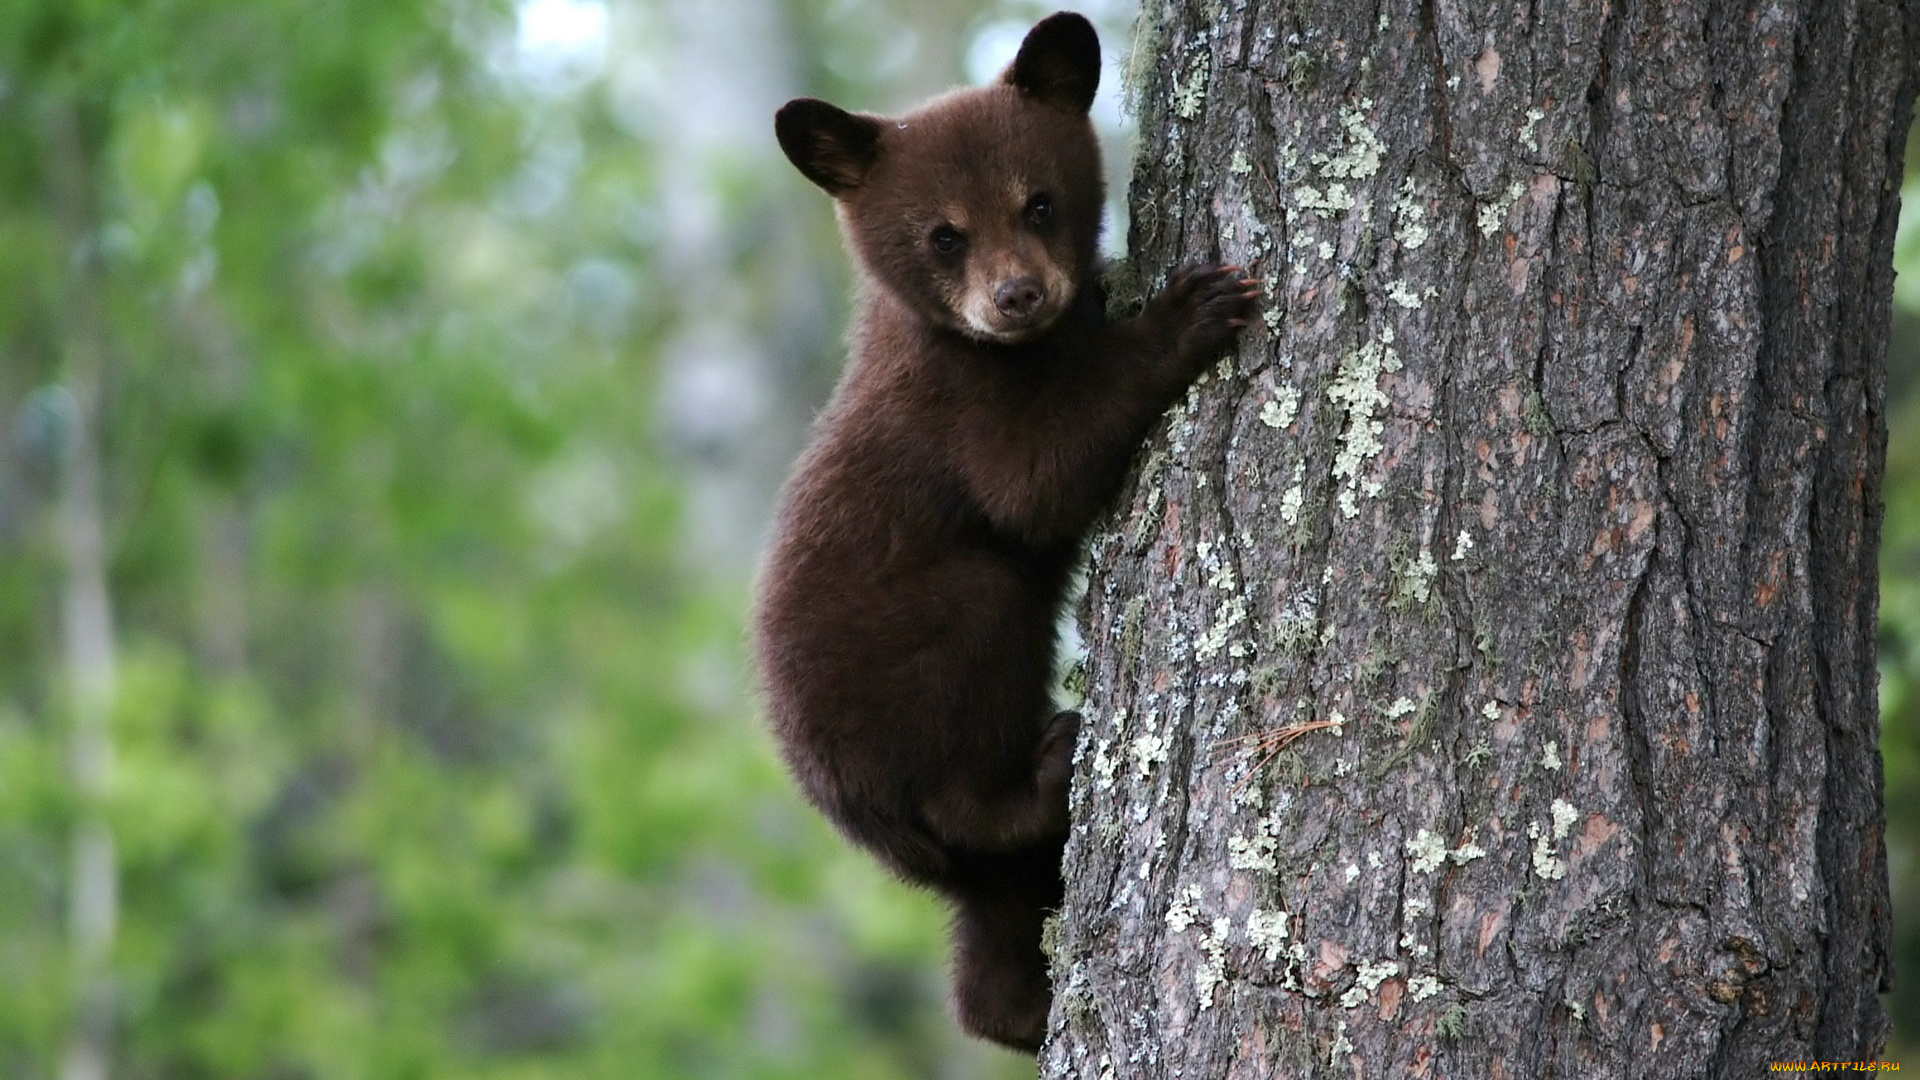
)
(1549, 286)
(1443, 118)
(1637, 737)
(1599, 113)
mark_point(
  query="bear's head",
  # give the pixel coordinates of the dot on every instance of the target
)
(980, 210)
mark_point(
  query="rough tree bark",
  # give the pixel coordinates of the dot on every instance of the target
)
(1481, 675)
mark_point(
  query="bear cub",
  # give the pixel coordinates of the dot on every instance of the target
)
(904, 628)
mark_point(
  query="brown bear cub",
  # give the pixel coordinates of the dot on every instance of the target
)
(906, 617)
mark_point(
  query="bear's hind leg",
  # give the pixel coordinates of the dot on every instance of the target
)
(1010, 808)
(1001, 986)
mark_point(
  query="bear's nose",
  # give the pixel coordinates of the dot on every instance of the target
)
(1018, 298)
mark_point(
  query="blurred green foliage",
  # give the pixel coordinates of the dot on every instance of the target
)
(432, 755)
(1900, 615)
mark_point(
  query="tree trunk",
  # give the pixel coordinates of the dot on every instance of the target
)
(87, 645)
(1481, 675)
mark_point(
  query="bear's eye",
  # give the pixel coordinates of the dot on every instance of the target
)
(946, 239)
(1039, 208)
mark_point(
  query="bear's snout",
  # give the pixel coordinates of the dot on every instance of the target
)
(1018, 298)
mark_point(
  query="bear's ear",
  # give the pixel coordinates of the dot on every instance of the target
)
(829, 145)
(1059, 62)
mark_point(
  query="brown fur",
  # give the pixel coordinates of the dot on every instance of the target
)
(905, 624)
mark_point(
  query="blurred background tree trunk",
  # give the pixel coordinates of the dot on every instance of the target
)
(1482, 675)
(86, 614)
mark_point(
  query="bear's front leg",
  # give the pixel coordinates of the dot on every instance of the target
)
(1193, 320)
